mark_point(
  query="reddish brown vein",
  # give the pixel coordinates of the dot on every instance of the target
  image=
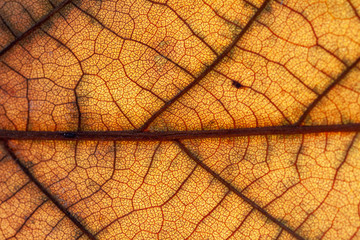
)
(323, 201)
(327, 90)
(173, 135)
(34, 27)
(47, 193)
(27, 218)
(186, 24)
(237, 192)
(207, 70)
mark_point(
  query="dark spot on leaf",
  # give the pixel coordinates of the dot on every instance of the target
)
(268, 8)
(69, 134)
(236, 84)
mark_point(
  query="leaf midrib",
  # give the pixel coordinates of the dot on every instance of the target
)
(174, 135)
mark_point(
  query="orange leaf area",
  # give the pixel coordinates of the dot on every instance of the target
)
(168, 119)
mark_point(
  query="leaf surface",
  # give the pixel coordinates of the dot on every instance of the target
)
(176, 119)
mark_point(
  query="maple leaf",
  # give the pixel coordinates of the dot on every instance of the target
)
(143, 119)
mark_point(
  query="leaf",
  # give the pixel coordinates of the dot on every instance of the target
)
(144, 119)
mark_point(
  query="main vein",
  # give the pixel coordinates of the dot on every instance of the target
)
(173, 135)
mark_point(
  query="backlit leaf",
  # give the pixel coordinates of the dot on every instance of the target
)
(168, 119)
